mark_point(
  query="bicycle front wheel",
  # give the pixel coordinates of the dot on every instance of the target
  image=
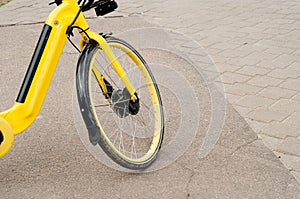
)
(130, 132)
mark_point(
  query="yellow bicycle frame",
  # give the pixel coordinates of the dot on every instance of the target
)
(42, 67)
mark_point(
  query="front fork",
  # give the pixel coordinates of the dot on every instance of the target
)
(115, 64)
(104, 85)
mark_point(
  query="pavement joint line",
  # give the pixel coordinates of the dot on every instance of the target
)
(272, 136)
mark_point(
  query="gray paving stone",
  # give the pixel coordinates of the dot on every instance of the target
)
(253, 70)
(232, 98)
(252, 45)
(295, 66)
(297, 97)
(236, 53)
(276, 31)
(255, 125)
(293, 84)
(280, 130)
(267, 64)
(296, 52)
(256, 57)
(284, 60)
(220, 60)
(279, 50)
(232, 78)
(284, 74)
(242, 89)
(238, 61)
(260, 36)
(277, 93)
(290, 146)
(264, 81)
(242, 110)
(212, 51)
(224, 46)
(290, 161)
(227, 67)
(271, 142)
(266, 115)
(286, 105)
(293, 119)
(253, 101)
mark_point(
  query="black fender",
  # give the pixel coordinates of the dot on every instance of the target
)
(82, 87)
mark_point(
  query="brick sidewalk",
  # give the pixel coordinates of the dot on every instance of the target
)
(255, 44)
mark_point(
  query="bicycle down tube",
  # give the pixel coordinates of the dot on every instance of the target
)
(42, 67)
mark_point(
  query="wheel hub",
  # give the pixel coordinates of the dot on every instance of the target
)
(123, 105)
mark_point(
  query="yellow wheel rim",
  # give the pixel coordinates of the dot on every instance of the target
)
(155, 102)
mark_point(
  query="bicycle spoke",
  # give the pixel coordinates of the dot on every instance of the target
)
(105, 71)
(102, 105)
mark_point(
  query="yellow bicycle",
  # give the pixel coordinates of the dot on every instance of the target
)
(118, 97)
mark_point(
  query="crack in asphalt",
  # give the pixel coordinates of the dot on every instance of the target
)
(42, 22)
(23, 6)
(21, 24)
(189, 182)
(242, 146)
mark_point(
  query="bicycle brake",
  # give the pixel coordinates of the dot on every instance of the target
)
(105, 34)
(58, 2)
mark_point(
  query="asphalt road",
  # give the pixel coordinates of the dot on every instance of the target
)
(49, 160)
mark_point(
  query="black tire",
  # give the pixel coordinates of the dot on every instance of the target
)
(101, 123)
